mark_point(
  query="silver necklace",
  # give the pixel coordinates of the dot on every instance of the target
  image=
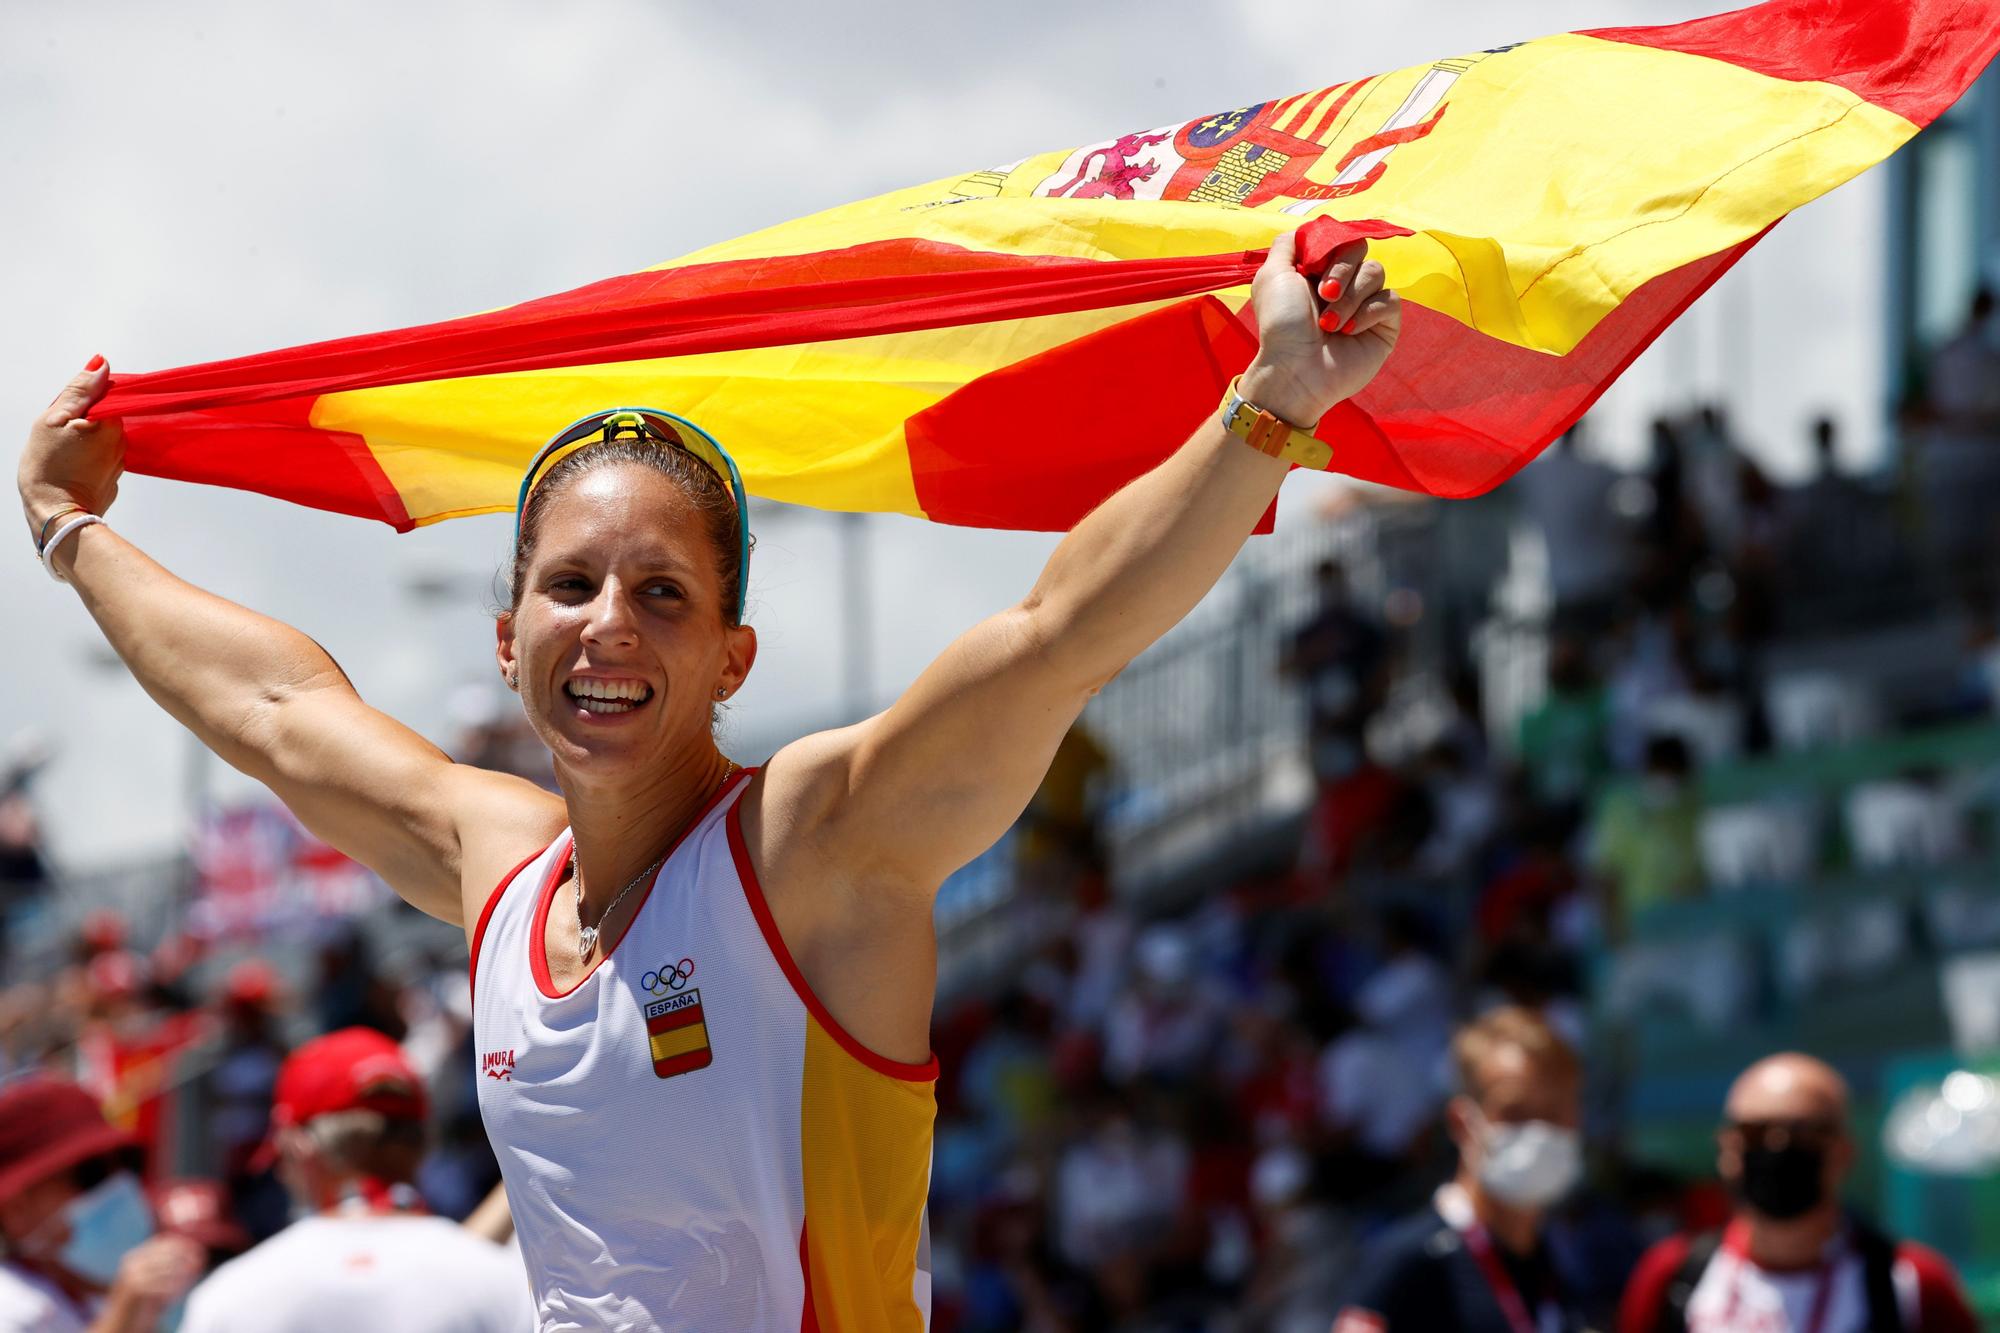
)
(586, 936)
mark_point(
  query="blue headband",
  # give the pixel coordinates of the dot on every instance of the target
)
(669, 429)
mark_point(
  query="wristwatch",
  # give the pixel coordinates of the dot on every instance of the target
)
(1268, 434)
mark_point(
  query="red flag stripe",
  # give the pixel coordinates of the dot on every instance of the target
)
(1867, 49)
(891, 287)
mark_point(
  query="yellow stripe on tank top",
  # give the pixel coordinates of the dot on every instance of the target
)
(865, 1141)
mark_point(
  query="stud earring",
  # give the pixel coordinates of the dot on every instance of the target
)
(514, 680)
(722, 694)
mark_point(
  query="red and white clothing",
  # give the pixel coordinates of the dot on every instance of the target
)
(1736, 1295)
(689, 1140)
(30, 1303)
(337, 1272)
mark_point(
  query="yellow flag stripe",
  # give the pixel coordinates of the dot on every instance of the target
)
(680, 1041)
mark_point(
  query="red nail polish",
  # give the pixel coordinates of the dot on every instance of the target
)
(95, 363)
(1349, 327)
(1330, 290)
(1329, 322)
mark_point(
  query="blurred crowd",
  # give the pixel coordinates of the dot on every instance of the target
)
(1205, 1112)
(1208, 1114)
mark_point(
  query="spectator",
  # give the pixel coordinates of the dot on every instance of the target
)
(1380, 1083)
(1342, 654)
(1961, 451)
(241, 1071)
(1565, 739)
(80, 1253)
(1117, 1189)
(1464, 800)
(1475, 1260)
(1965, 376)
(1792, 1260)
(1650, 674)
(199, 1210)
(347, 1127)
(1164, 1025)
(1567, 497)
(24, 870)
(1646, 839)
(1307, 1249)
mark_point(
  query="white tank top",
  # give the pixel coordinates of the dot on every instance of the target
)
(688, 1139)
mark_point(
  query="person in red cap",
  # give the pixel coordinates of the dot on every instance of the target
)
(80, 1255)
(347, 1133)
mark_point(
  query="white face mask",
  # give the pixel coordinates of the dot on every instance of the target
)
(1530, 1165)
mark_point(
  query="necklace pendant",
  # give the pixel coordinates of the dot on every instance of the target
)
(586, 940)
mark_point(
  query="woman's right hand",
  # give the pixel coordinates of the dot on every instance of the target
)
(69, 459)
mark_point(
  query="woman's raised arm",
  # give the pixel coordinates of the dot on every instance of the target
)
(263, 696)
(916, 792)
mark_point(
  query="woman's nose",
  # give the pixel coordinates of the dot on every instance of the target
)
(611, 620)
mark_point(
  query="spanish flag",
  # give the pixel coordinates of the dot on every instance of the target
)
(677, 1034)
(1006, 347)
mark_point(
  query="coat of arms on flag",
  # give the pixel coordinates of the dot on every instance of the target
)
(676, 1029)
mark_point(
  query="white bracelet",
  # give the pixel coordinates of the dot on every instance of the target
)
(48, 550)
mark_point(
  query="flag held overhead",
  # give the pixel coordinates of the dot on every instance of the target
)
(1545, 208)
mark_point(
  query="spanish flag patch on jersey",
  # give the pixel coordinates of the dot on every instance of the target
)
(678, 1034)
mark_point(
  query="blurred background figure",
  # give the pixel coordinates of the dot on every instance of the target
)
(1569, 500)
(347, 1128)
(1475, 1259)
(1793, 1258)
(1340, 655)
(24, 869)
(1961, 451)
(1646, 840)
(81, 1248)
(200, 1211)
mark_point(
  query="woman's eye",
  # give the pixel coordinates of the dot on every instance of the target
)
(667, 589)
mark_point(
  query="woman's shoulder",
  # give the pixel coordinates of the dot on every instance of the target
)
(502, 821)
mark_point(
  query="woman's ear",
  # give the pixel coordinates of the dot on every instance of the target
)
(503, 649)
(742, 655)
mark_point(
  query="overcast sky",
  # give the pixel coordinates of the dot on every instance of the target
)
(202, 179)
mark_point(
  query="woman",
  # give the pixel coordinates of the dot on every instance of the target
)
(702, 995)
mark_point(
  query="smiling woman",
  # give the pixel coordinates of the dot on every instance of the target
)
(702, 995)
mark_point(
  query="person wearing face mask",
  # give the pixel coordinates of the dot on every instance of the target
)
(1474, 1261)
(347, 1130)
(79, 1251)
(1793, 1259)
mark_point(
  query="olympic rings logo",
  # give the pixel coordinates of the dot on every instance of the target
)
(666, 980)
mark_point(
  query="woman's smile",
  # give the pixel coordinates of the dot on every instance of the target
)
(599, 698)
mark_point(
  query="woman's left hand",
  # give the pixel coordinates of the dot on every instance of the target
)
(70, 461)
(1319, 345)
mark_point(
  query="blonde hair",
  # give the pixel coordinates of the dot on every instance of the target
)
(1511, 1026)
(362, 1142)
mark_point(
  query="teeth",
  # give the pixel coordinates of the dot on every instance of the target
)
(607, 705)
(637, 691)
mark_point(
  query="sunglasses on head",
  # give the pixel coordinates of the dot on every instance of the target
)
(658, 427)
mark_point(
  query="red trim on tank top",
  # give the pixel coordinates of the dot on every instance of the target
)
(808, 1312)
(486, 915)
(753, 893)
(538, 939)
